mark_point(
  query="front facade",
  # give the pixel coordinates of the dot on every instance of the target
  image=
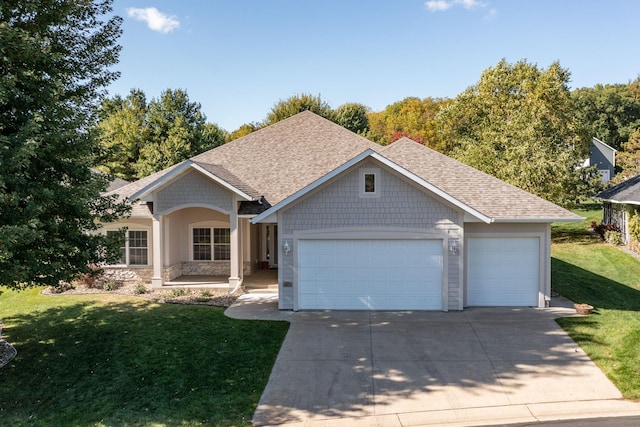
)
(347, 223)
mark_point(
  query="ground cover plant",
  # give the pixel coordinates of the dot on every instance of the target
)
(587, 270)
(99, 360)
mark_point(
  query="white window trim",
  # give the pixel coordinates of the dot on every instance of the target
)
(211, 225)
(376, 182)
(126, 244)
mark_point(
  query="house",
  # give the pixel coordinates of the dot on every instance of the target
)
(602, 156)
(348, 223)
(618, 203)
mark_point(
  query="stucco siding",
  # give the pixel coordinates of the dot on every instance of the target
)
(192, 188)
(400, 205)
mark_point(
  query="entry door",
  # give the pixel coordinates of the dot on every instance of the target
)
(270, 244)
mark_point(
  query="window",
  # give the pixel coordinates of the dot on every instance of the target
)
(369, 182)
(134, 248)
(211, 244)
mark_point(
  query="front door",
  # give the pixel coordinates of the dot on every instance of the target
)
(270, 244)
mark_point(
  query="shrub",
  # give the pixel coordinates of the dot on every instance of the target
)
(178, 292)
(111, 285)
(613, 237)
(602, 229)
(140, 289)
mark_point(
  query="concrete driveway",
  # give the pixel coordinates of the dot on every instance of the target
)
(479, 366)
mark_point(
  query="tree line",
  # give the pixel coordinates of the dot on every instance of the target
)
(519, 122)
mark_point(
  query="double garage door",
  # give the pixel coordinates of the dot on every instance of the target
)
(503, 271)
(370, 274)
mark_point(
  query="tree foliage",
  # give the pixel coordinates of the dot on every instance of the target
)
(518, 123)
(296, 104)
(411, 117)
(609, 112)
(629, 159)
(352, 116)
(140, 138)
(54, 65)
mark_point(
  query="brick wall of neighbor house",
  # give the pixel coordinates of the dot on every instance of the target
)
(192, 188)
(400, 205)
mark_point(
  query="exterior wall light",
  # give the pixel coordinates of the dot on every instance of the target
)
(286, 248)
(453, 247)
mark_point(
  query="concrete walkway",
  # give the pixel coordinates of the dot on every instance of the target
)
(481, 366)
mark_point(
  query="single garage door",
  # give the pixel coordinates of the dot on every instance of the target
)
(503, 271)
(370, 274)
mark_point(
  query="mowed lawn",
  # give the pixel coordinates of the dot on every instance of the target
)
(586, 270)
(111, 360)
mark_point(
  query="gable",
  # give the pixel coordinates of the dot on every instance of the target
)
(192, 189)
(340, 203)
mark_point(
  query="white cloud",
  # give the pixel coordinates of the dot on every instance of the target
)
(438, 5)
(156, 20)
(470, 4)
(442, 5)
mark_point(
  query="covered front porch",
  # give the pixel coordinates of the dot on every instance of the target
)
(262, 280)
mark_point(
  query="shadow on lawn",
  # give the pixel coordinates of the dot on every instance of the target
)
(583, 286)
(135, 364)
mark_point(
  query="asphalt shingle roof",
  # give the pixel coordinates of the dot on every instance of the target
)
(277, 161)
(478, 190)
(625, 192)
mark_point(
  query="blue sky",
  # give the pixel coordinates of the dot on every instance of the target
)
(239, 57)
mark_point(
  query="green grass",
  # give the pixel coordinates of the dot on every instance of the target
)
(115, 360)
(588, 271)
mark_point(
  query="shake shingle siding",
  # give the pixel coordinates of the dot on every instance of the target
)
(193, 189)
(339, 206)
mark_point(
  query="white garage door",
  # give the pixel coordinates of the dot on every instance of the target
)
(370, 274)
(503, 271)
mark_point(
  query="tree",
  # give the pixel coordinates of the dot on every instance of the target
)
(243, 130)
(411, 117)
(609, 112)
(123, 131)
(629, 159)
(352, 116)
(518, 123)
(139, 139)
(54, 66)
(297, 104)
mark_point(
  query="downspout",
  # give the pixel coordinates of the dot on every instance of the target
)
(237, 286)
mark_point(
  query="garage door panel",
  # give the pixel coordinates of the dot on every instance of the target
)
(370, 274)
(503, 271)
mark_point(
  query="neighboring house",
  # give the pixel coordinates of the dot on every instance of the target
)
(348, 223)
(619, 202)
(604, 157)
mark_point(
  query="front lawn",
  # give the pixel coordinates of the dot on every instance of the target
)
(586, 270)
(103, 360)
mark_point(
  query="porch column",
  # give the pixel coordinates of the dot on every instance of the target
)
(234, 245)
(157, 280)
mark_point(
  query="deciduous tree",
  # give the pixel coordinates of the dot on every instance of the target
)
(54, 66)
(518, 123)
(297, 104)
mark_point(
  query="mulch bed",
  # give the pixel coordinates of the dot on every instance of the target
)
(211, 297)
